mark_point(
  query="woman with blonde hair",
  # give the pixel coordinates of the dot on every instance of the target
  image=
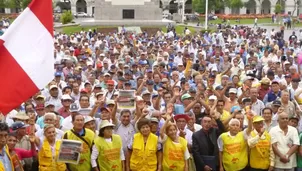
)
(175, 150)
(49, 151)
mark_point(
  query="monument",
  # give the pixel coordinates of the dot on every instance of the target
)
(127, 12)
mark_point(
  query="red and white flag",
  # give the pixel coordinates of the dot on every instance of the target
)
(26, 55)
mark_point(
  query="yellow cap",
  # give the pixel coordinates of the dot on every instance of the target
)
(257, 119)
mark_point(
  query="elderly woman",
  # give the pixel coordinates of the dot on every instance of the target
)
(233, 147)
(49, 151)
(107, 151)
(175, 150)
(144, 152)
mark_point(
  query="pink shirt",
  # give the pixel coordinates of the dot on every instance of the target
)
(25, 153)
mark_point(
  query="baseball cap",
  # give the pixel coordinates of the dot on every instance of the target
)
(110, 82)
(58, 74)
(276, 103)
(18, 125)
(185, 96)
(212, 97)
(52, 87)
(153, 119)
(257, 118)
(294, 117)
(235, 108)
(233, 90)
(40, 106)
(66, 97)
(74, 107)
(145, 92)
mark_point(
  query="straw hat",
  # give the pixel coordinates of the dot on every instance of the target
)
(21, 116)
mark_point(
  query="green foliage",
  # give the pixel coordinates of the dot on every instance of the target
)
(2, 3)
(278, 8)
(66, 17)
(199, 5)
(234, 3)
(25, 3)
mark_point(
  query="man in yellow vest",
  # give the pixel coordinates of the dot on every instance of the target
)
(5, 159)
(261, 152)
(233, 149)
(86, 136)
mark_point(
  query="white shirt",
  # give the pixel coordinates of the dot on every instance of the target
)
(188, 137)
(284, 142)
(67, 124)
(95, 154)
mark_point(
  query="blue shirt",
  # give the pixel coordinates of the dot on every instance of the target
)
(4, 159)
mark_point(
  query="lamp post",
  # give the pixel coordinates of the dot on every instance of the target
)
(206, 16)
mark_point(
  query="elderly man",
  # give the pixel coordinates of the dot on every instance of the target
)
(261, 153)
(49, 118)
(285, 142)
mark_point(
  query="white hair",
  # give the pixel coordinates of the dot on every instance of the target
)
(234, 120)
(53, 115)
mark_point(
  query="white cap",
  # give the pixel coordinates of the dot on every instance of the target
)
(212, 97)
(89, 63)
(53, 86)
(66, 97)
(233, 90)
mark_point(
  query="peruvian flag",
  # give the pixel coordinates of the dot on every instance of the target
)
(26, 55)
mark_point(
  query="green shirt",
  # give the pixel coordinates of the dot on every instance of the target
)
(299, 158)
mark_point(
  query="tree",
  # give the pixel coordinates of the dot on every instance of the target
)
(278, 8)
(25, 3)
(199, 5)
(234, 3)
(66, 17)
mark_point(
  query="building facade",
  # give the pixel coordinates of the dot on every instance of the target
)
(88, 6)
(291, 7)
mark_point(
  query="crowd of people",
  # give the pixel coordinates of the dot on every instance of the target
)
(226, 100)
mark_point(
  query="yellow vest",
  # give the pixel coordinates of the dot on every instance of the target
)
(47, 162)
(260, 154)
(144, 156)
(234, 156)
(10, 159)
(173, 155)
(109, 153)
(84, 163)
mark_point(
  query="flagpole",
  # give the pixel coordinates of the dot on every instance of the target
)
(206, 16)
(183, 11)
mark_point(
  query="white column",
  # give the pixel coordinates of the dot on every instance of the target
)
(73, 9)
(206, 16)
(7, 10)
(242, 10)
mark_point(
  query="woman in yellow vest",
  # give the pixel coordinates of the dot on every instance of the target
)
(232, 145)
(144, 152)
(175, 150)
(259, 141)
(49, 151)
(107, 151)
(86, 136)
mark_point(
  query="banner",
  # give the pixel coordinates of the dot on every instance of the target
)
(126, 99)
(70, 151)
